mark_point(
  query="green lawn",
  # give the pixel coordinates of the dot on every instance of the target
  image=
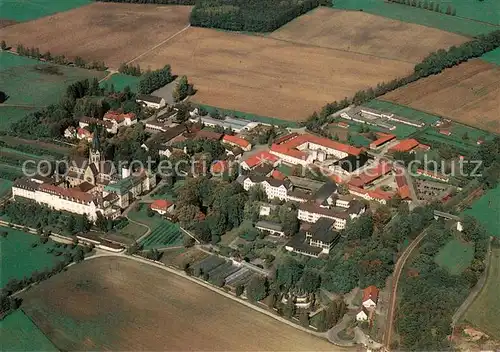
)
(37, 84)
(27, 10)
(492, 56)
(251, 117)
(410, 14)
(455, 256)
(120, 81)
(19, 333)
(485, 310)
(487, 211)
(20, 259)
(5, 186)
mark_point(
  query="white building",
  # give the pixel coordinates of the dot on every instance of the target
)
(151, 101)
(318, 239)
(311, 212)
(271, 227)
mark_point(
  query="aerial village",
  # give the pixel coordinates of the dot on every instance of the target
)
(327, 185)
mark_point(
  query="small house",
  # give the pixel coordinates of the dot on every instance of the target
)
(162, 206)
(370, 297)
(363, 314)
(151, 101)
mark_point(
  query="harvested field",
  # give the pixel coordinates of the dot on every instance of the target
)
(119, 304)
(367, 34)
(5, 22)
(32, 9)
(113, 33)
(467, 93)
(266, 76)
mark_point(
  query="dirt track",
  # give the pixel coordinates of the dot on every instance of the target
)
(119, 304)
(267, 76)
(109, 32)
(368, 34)
(468, 93)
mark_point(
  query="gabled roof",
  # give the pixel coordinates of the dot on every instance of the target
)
(161, 204)
(259, 158)
(383, 139)
(405, 145)
(371, 292)
(243, 143)
(149, 98)
(324, 192)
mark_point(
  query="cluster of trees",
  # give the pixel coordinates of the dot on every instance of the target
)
(250, 15)
(434, 63)
(430, 298)
(222, 202)
(183, 89)
(427, 5)
(8, 304)
(132, 70)
(35, 53)
(44, 219)
(153, 80)
(162, 2)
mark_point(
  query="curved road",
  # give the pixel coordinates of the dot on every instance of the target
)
(397, 273)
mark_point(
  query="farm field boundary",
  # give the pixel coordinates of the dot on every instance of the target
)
(483, 312)
(134, 287)
(466, 93)
(423, 17)
(109, 32)
(492, 57)
(364, 33)
(19, 333)
(486, 210)
(22, 11)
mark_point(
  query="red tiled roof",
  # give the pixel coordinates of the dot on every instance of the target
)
(236, 140)
(322, 141)
(72, 193)
(371, 175)
(282, 149)
(83, 132)
(259, 158)
(208, 135)
(285, 138)
(118, 116)
(405, 145)
(383, 139)
(379, 194)
(219, 166)
(371, 292)
(278, 175)
(161, 204)
(404, 192)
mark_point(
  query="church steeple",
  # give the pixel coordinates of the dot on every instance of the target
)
(94, 152)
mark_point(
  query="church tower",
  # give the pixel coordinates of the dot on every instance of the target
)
(94, 152)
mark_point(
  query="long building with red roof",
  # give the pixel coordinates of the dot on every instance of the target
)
(300, 149)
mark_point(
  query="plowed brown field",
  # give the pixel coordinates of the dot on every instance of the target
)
(361, 32)
(468, 93)
(269, 77)
(120, 305)
(113, 33)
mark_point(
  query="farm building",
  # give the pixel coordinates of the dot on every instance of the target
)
(383, 140)
(151, 101)
(237, 142)
(370, 297)
(269, 226)
(406, 145)
(162, 206)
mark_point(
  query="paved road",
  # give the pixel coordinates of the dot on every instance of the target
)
(395, 281)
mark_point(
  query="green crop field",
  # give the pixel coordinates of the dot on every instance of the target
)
(485, 310)
(120, 81)
(9, 115)
(492, 56)
(487, 211)
(166, 234)
(20, 259)
(250, 117)
(27, 10)
(32, 83)
(19, 333)
(455, 256)
(456, 24)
